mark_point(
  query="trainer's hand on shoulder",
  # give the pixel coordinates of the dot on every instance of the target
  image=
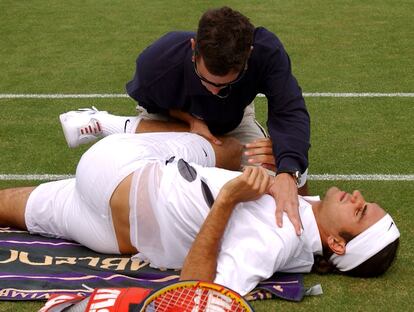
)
(285, 193)
(199, 127)
(260, 152)
(250, 185)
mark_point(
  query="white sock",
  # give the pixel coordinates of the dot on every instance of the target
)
(112, 124)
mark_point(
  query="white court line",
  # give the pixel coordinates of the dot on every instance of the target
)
(313, 177)
(34, 177)
(361, 177)
(363, 94)
(63, 96)
(114, 95)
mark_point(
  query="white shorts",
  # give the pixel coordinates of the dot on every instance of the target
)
(57, 209)
(78, 209)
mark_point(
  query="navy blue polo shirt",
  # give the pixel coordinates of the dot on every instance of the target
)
(165, 79)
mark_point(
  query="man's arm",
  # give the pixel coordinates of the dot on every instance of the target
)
(289, 128)
(289, 132)
(201, 261)
(284, 190)
(195, 125)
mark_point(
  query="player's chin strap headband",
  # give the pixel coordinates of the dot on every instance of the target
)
(367, 244)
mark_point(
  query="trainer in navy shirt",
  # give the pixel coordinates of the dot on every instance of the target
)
(165, 79)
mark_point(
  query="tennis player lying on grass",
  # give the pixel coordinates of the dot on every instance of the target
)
(134, 194)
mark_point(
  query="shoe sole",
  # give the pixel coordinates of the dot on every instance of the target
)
(66, 132)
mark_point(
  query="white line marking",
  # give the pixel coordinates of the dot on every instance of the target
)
(361, 177)
(114, 95)
(34, 177)
(313, 177)
(40, 243)
(363, 94)
(62, 96)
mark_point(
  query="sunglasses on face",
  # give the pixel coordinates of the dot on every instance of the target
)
(225, 88)
(220, 85)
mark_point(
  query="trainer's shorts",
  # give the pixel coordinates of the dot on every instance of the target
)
(78, 209)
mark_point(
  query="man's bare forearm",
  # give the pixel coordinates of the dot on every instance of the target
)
(201, 261)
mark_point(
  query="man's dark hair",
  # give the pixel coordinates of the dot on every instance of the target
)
(378, 263)
(224, 38)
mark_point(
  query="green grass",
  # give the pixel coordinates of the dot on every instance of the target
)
(335, 46)
(91, 46)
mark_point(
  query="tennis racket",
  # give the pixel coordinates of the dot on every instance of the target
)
(195, 296)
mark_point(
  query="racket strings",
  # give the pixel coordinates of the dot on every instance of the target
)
(194, 299)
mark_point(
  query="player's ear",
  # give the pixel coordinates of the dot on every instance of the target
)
(336, 244)
(193, 46)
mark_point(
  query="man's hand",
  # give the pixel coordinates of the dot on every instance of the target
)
(250, 185)
(285, 193)
(260, 152)
(199, 127)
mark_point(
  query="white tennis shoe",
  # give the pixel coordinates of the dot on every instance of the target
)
(81, 126)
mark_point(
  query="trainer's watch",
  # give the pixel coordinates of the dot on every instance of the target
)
(295, 173)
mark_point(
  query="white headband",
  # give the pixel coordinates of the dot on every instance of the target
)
(367, 244)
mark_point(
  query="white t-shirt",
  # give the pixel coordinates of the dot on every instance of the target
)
(167, 211)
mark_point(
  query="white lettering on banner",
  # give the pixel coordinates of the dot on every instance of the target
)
(113, 264)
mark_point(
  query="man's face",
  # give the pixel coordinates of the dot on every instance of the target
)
(211, 82)
(344, 212)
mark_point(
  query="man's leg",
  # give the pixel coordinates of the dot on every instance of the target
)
(88, 125)
(228, 154)
(13, 206)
